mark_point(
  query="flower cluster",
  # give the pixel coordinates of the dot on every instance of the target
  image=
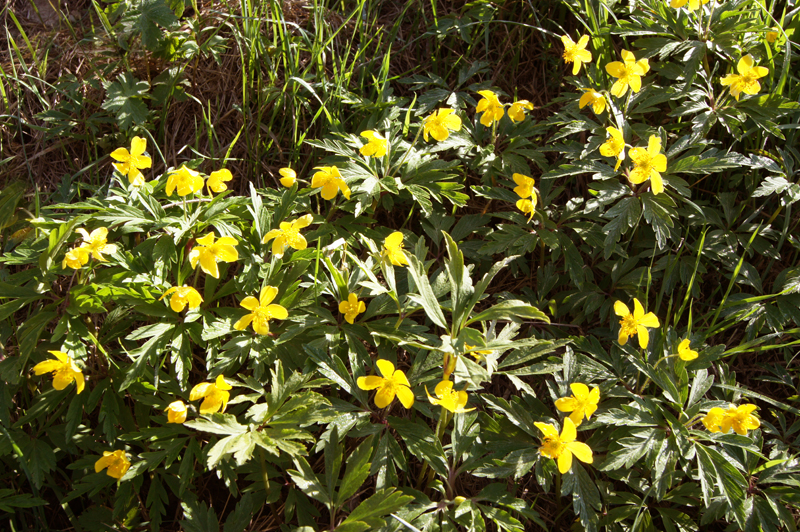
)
(94, 244)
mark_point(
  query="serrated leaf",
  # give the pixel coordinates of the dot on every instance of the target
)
(148, 17)
(124, 97)
(356, 472)
(217, 423)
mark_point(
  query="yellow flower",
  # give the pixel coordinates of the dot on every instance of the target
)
(440, 123)
(448, 398)
(747, 79)
(636, 323)
(685, 352)
(289, 177)
(393, 382)
(176, 412)
(713, 419)
(516, 113)
(116, 462)
(693, 4)
(593, 98)
(215, 395)
(261, 311)
(524, 188)
(185, 180)
(331, 182)
(352, 308)
(527, 206)
(582, 402)
(75, 258)
(288, 235)
(561, 448)
(576, 53)
(740, 419)
(216, 181)
(614, 146)
(182, 296)
(648, 163)
(209, 252)
(64, 371)
(772, 36)
(393, 249)
(131, 162)
(629, 72)
(491, 108)
(95, 243)
(477, 354)
(377, 145)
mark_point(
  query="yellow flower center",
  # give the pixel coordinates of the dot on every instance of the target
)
(292, 237)
(262, 312)
(645, 163)
(569, 52)
(552, 447)
(628, 325)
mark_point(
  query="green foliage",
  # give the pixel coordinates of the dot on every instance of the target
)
(396, 342)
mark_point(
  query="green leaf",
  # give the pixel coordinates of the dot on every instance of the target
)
(124, 97)
(10, 196)
(9, 500)
(334, 449)
(217, 423)
(381, 504)
(623, 215)
(148, 16)
(40, 458)
(29, 332)
(307, 481)
(240, 518)
(356, 472)
(422, 443)
(198, 517)
(426, 296)
(730, 481)
(585, 497)
(510, 310)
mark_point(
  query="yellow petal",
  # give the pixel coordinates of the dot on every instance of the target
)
(48, 366)
(568, 432)
(267, 295)
(649, 320)
(638, 309)
(443, 388)
(199, 390)
(405, 395)
(621, 309)
(644, 336)
(386, 368)
(221, 384)
(564, 461)
(580, 390)
(370, 382)
(384, 397)
(277, 312)
(548, 430)
(581, 451)
(250, 303)
(566, 404)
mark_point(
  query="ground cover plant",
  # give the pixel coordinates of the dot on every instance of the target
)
(265, 269)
